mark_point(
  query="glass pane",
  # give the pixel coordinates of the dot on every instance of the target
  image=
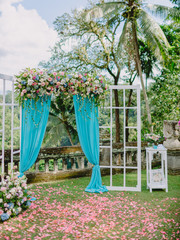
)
(104, 157)
(1, 90)
(131, 137)
(131, 158)
(16, 116)
(7, 127)
(16, 139)
(117, 178)
(105, 173)
(131, 97)
(131, 178)
(118, 116)
(104, 136)
(131, 117)
(118, 157)
(104, 116)
(117, 100)
(1, 117)
(8, 91)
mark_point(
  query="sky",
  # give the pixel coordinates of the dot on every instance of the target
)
(27, 31)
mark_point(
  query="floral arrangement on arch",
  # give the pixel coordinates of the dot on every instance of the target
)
(33, 83)
(84, 85)
(153, 138)
(14, 197)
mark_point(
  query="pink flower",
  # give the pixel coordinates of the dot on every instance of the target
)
(179, 122)
(47, 83)
(25, 75)
(85, 74)
(19, 86)
(58, 83)
(34, 77)
(24, 184)
(37, 91)
(1, 212)
(22, 94)
(54, 73)
(49, 79)
(62, 73)
(41, 72)
(28, 95)
(43, 84)
(24, 90)
(3, 189)
(80, 76)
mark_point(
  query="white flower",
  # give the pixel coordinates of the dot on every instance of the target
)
(62, 81)
(100, 90)
(19, 209)
(1, 200)
(30, 82)
(96, 81)
(8, 196)
(13, 191)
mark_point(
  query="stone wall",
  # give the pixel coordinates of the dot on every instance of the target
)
(171, 130)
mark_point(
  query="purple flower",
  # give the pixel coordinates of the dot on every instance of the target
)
(179, 122)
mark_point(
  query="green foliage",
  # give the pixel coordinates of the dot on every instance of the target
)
(61, 127)
(148, 60)
(172, 32)
(165, 99)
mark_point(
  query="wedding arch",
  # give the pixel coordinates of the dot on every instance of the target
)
(35, 87)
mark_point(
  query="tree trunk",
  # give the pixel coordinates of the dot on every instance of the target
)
(127, 114)
(69, 135)
(139, 70)
(117, 119)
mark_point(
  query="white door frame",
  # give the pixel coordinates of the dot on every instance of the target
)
(6, 78)
(138, 127)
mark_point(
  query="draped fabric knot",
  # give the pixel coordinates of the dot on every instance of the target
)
(21, 174)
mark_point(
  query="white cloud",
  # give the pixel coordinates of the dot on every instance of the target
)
(25, 37)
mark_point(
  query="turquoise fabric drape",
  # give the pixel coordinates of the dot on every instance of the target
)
(88, 131)
(33, 126)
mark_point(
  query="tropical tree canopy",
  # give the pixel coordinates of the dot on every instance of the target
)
(106, 37)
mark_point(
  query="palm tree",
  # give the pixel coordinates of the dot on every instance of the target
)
(137, 24)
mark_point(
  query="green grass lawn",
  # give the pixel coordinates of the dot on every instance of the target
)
(63, 210)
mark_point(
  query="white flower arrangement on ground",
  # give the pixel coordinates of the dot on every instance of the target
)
(14, 197)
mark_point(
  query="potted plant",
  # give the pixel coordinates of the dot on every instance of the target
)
(153, 140)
